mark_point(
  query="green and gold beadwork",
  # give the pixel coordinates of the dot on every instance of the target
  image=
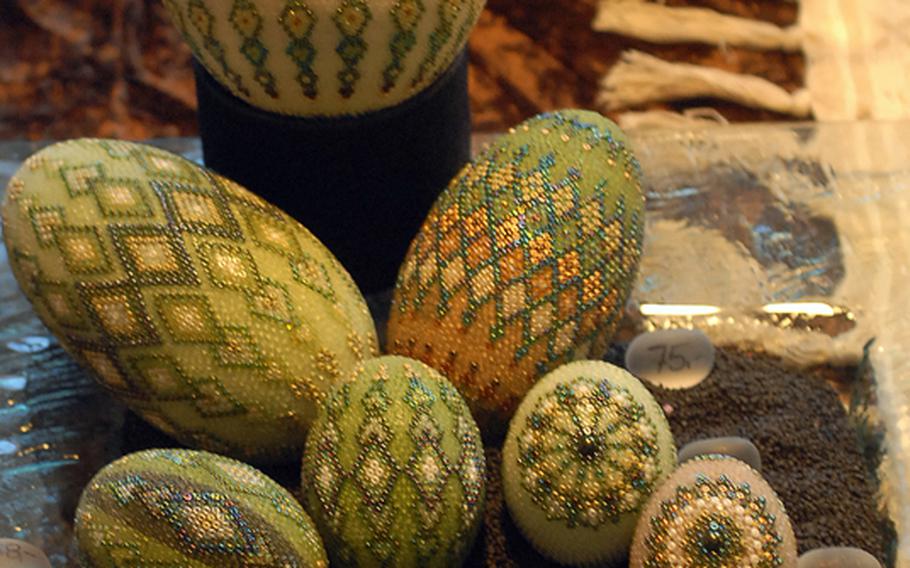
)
(585, 450)
(351, 18)
(211, 313)
(446, 11)
(714, 512)
(191, 509)
(248, 23)
(346, 57)
(298, 20)
(394, 468)
(525, 261)
(406, 15)
(615, 442)
(202, 21)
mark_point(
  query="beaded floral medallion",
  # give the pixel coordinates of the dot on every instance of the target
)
(394, 469)
(584, 452)
(525, 261)
(191, 509)
(615, 443)
(714, 512)
(215, 316)
(325, 57)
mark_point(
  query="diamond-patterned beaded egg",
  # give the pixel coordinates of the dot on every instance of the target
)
(714, 511)
(189, 508)
(211, 313)
(325, 57)
(584, 451)
(525, 261)
(394, 469)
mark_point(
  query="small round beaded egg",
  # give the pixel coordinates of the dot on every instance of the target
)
(325, 57)
(714, 511)
(191, 509)
(393, 472)
(584, 451)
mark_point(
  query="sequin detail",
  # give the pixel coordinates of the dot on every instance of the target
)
(203, 21)
(447, 11)
(351, 19)
(247, 22)
(406, 14)
(298, 21)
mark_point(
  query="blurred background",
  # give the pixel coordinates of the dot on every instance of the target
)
(118, 68)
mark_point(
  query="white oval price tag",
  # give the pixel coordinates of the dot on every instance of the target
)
(20, 554)
(733, 446)
(671, 358)
(838, 557)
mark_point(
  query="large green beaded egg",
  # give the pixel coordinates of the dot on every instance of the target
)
(585, 450)
(525, 261)
(325, 57)
(214, 315)
(394, 468)
(191, 509)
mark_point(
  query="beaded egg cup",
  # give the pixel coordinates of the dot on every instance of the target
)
(351, 115)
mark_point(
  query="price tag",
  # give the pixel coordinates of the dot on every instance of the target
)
(671, 358)
(20, 554)
(838, 557)
(733, 446)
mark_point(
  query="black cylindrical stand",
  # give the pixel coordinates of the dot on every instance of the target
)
(362, 184)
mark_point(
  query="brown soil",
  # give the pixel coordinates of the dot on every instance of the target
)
(810, 452)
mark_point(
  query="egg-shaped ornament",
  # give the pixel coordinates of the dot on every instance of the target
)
(393, 472)
(585, 450)
(714, 511)
(191, 509)
(325, 57)
(525, 261)
(209, 312)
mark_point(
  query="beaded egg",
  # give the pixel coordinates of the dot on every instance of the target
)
(393, 472)
(325, 57)
(584, 451)
(190, 508)
(525, 261)
(212, 314)
(714, 511)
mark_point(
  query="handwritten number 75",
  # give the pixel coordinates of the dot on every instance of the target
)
(670, 358)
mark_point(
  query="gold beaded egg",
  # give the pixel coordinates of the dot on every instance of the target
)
(525, 261)
(325, 57)
(215, 316)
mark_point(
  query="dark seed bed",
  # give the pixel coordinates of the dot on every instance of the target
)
(810, 452)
